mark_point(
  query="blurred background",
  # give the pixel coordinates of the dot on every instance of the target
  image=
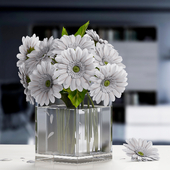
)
(138, 29)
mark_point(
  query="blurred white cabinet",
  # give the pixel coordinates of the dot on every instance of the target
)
(148, 122)
(141, 60)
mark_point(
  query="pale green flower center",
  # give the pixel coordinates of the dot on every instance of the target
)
(27, 79)
(47, 83)
(106, 62)
(141, 153)
(107, 83)
(76, 69)
(30, 50)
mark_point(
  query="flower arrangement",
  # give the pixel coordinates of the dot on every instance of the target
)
(77, 64)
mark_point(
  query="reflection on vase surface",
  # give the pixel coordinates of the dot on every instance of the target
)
(73, 135)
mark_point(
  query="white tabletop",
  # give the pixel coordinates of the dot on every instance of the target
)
(18, 156)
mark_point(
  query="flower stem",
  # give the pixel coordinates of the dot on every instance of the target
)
(66, 100)
(88, 103)
(82, 104)
(90, 100)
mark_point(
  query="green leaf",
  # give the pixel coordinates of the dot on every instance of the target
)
(81, 31)
(64, 32)
(66, 100)
(76, 97)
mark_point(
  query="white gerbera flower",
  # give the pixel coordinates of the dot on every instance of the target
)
(141, 150)
(29, 44)
(72, 41)
(43, 85)
(75, 68)
(109, 82)
(25, 82)
(42, 53)
(106, 54)
(95, 37)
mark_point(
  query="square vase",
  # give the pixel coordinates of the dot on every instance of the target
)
(73, 135)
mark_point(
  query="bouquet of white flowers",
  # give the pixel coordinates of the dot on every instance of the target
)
(76, 64)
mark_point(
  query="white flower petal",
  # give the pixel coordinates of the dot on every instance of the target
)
(90, 67)
(80, 88)
(112, 97)
(72, 37)
(95, 85)
(122, 84)
(60, 72)
(65, 61)
(88, 61)
(59, 58)
(99, 95)
(134, 142)
(86, 76)
(78, 82)
(97, 90)
(119, 89)
(39, 68)
(144, 143)
(73, 54)
(63, 77)
(61, 66)
(46, 99)
(78, 38)
(131, 147)
(149, 145)
(128, 151)
(57, 88)
(106, 100)
(103, 96)
(57, 95)
(84, 55)
(83, 83)
(73, 85)
(78, 54)
(67, 82)
(118, 95)
(42, 99)
(90, 72)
